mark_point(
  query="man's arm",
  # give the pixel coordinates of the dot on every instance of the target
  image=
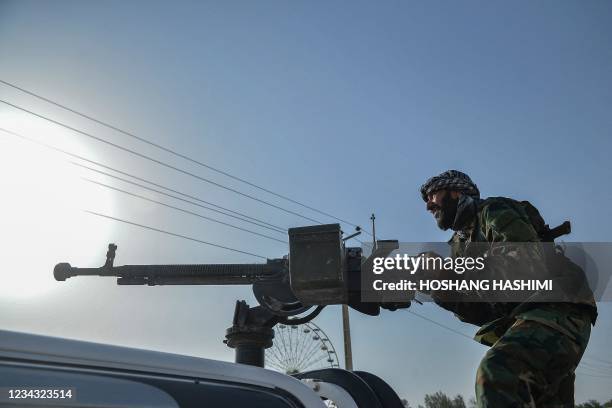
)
(513, 252)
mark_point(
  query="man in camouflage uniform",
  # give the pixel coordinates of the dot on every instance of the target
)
(535, 347)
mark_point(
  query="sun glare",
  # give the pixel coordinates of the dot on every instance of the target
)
(43, 196)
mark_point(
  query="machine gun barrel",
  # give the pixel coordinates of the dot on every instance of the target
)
(319, 271)
(195, 274)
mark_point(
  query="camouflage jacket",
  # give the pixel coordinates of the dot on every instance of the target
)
(496, 221)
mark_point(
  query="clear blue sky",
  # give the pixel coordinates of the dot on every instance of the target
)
(347, 106)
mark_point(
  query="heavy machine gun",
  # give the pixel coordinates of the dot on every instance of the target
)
(320, 270)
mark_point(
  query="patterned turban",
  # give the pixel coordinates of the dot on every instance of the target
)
(451, 180)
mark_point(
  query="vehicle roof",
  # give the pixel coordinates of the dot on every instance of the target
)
(46, 349)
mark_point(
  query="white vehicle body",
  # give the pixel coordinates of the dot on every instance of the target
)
(110, 376)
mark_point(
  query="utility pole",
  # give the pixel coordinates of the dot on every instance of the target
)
(348, 352)
(346, 324)
(374, 245)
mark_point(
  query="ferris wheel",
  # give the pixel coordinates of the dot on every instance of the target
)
(296, 349)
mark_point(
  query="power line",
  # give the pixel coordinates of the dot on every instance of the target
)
(274, 227)
(257, 223)
(440, 324)
(174, 152)
(141, 225)
(602, 364)
(595, 369)
(594, 375)
(470, 338)
(174, 234)
(601, 360)
(161, 163)
(185, 211)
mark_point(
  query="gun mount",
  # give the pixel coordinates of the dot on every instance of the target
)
(319, 271)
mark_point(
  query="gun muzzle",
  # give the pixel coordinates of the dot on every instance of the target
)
(61, 272)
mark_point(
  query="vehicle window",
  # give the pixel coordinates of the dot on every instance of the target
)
(118, 389)
(88, 389)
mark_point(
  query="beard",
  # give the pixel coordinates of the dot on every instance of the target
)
(446, 213)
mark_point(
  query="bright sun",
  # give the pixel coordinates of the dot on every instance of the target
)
(42, 198)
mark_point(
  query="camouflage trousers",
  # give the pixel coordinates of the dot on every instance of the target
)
(532, 365)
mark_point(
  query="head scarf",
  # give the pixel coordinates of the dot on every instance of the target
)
(450, 180)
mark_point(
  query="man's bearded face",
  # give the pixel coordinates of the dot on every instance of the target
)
(443, 207)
